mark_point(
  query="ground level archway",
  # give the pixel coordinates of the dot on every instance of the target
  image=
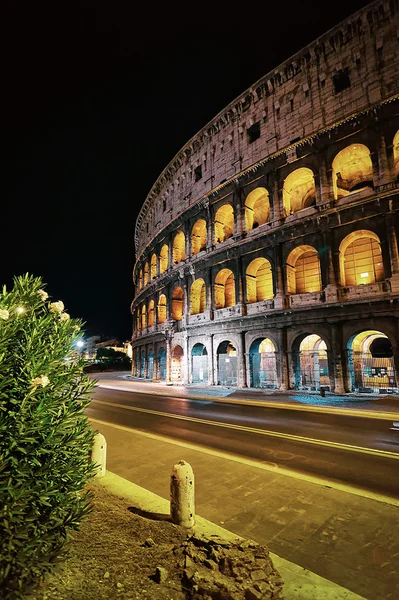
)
(371, 363)
(199, 360)
(150, 364)
(162, 364)
(176, 364)
(227, 364)
(262, 364)
(311, 364)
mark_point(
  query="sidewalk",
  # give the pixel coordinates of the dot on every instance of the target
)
(349, 541)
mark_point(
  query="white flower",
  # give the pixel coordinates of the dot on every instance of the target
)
(64, 317)
(43, 295)
(57, 307)
(4, 314)
(43, 380)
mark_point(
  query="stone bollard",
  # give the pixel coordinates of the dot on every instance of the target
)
(182, 506)
(99, 454)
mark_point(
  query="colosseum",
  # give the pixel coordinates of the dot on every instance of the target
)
(267, 249)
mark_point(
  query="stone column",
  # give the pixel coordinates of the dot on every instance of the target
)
(211, 362)
(187, 239)
(168, 356)
(242, 363)
(240, 290)
(325, 188)
(282, 360)
(330, 290)
(280, 298)
(187, 363)
(335, 361)
(384, 172)
(393, 253)
(277, 207)
(291, 370)
(146, 362)
(170, 253)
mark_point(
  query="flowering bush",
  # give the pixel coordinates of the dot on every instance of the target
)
(45, 438)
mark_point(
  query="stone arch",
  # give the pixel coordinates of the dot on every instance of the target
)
(177, 363)
(299, 190)
(360, 258)
(303, 270)
(179, 247)
(161, 363)
(371, 363)
(145, 273)
(259, 280)
(164, 258)
(224, 223)
(263, 364)
(199, 361)
(227, 365)
(162, 308)
(197, 297)
(225, 294)
(177, 303)
(143, 316)
(310, 362)
(198, 236)
(352, 170)
(151, 313)
(153, 266)
(396, 154)
(257, 208)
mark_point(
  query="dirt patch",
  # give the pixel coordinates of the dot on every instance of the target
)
(120, 554)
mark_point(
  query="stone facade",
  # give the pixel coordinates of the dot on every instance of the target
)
(267, 250)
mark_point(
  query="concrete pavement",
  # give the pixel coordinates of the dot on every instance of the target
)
(342, 537)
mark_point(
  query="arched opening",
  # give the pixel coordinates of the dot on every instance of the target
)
(259, 280)
(176, 364)
(177, 304)
(396, 154)
(143, 317)
(199, 358)
(225, 294)
(198, 236)
(145, 273)
(162, 309)
(299, 191)
(164, 258)
(224, 223)
(311, 364)
(303, 271)
(162, 364)
(151, 313)
(352, 170)
(140, 280)
(150, 364)
(262, 364)
(257, 208)
(227, 364)
(142, 364)
(197, 297)
(153, 267)
(361, 258)
(179, 248)
(371, 363)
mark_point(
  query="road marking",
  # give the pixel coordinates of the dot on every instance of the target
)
(253, 463)
(267, 432)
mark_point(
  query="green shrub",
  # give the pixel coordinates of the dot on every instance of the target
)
(45, 438)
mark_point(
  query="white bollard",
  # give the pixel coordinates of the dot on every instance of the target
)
(182, 506)
(99, 454)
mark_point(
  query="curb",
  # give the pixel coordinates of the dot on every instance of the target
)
(299, 583)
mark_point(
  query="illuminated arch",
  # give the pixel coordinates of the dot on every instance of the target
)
(311, 370)
(303, 271)
(199, 360)
(138, 319)
(360, 258)
(140, 279)
(225, 294)
(143, 317)
(299, 191)
(371, 362)
(179, 247)
(145, 273)
(151, 313)
(396, 154)
(197, 297)
(352, 170)
(259, 280)
(257, 208)
(198, 236)
(153, 267)
(224, 223)
(162, 309)
(227, 363)
(176, 363)
(164, 258)
(177, 303)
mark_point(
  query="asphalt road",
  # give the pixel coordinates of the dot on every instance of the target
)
(352, 450)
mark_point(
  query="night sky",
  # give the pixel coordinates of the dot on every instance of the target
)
(99, 97)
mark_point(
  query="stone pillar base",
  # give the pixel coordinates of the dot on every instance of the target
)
(395, 283)
(279, 301)
(331, 293)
